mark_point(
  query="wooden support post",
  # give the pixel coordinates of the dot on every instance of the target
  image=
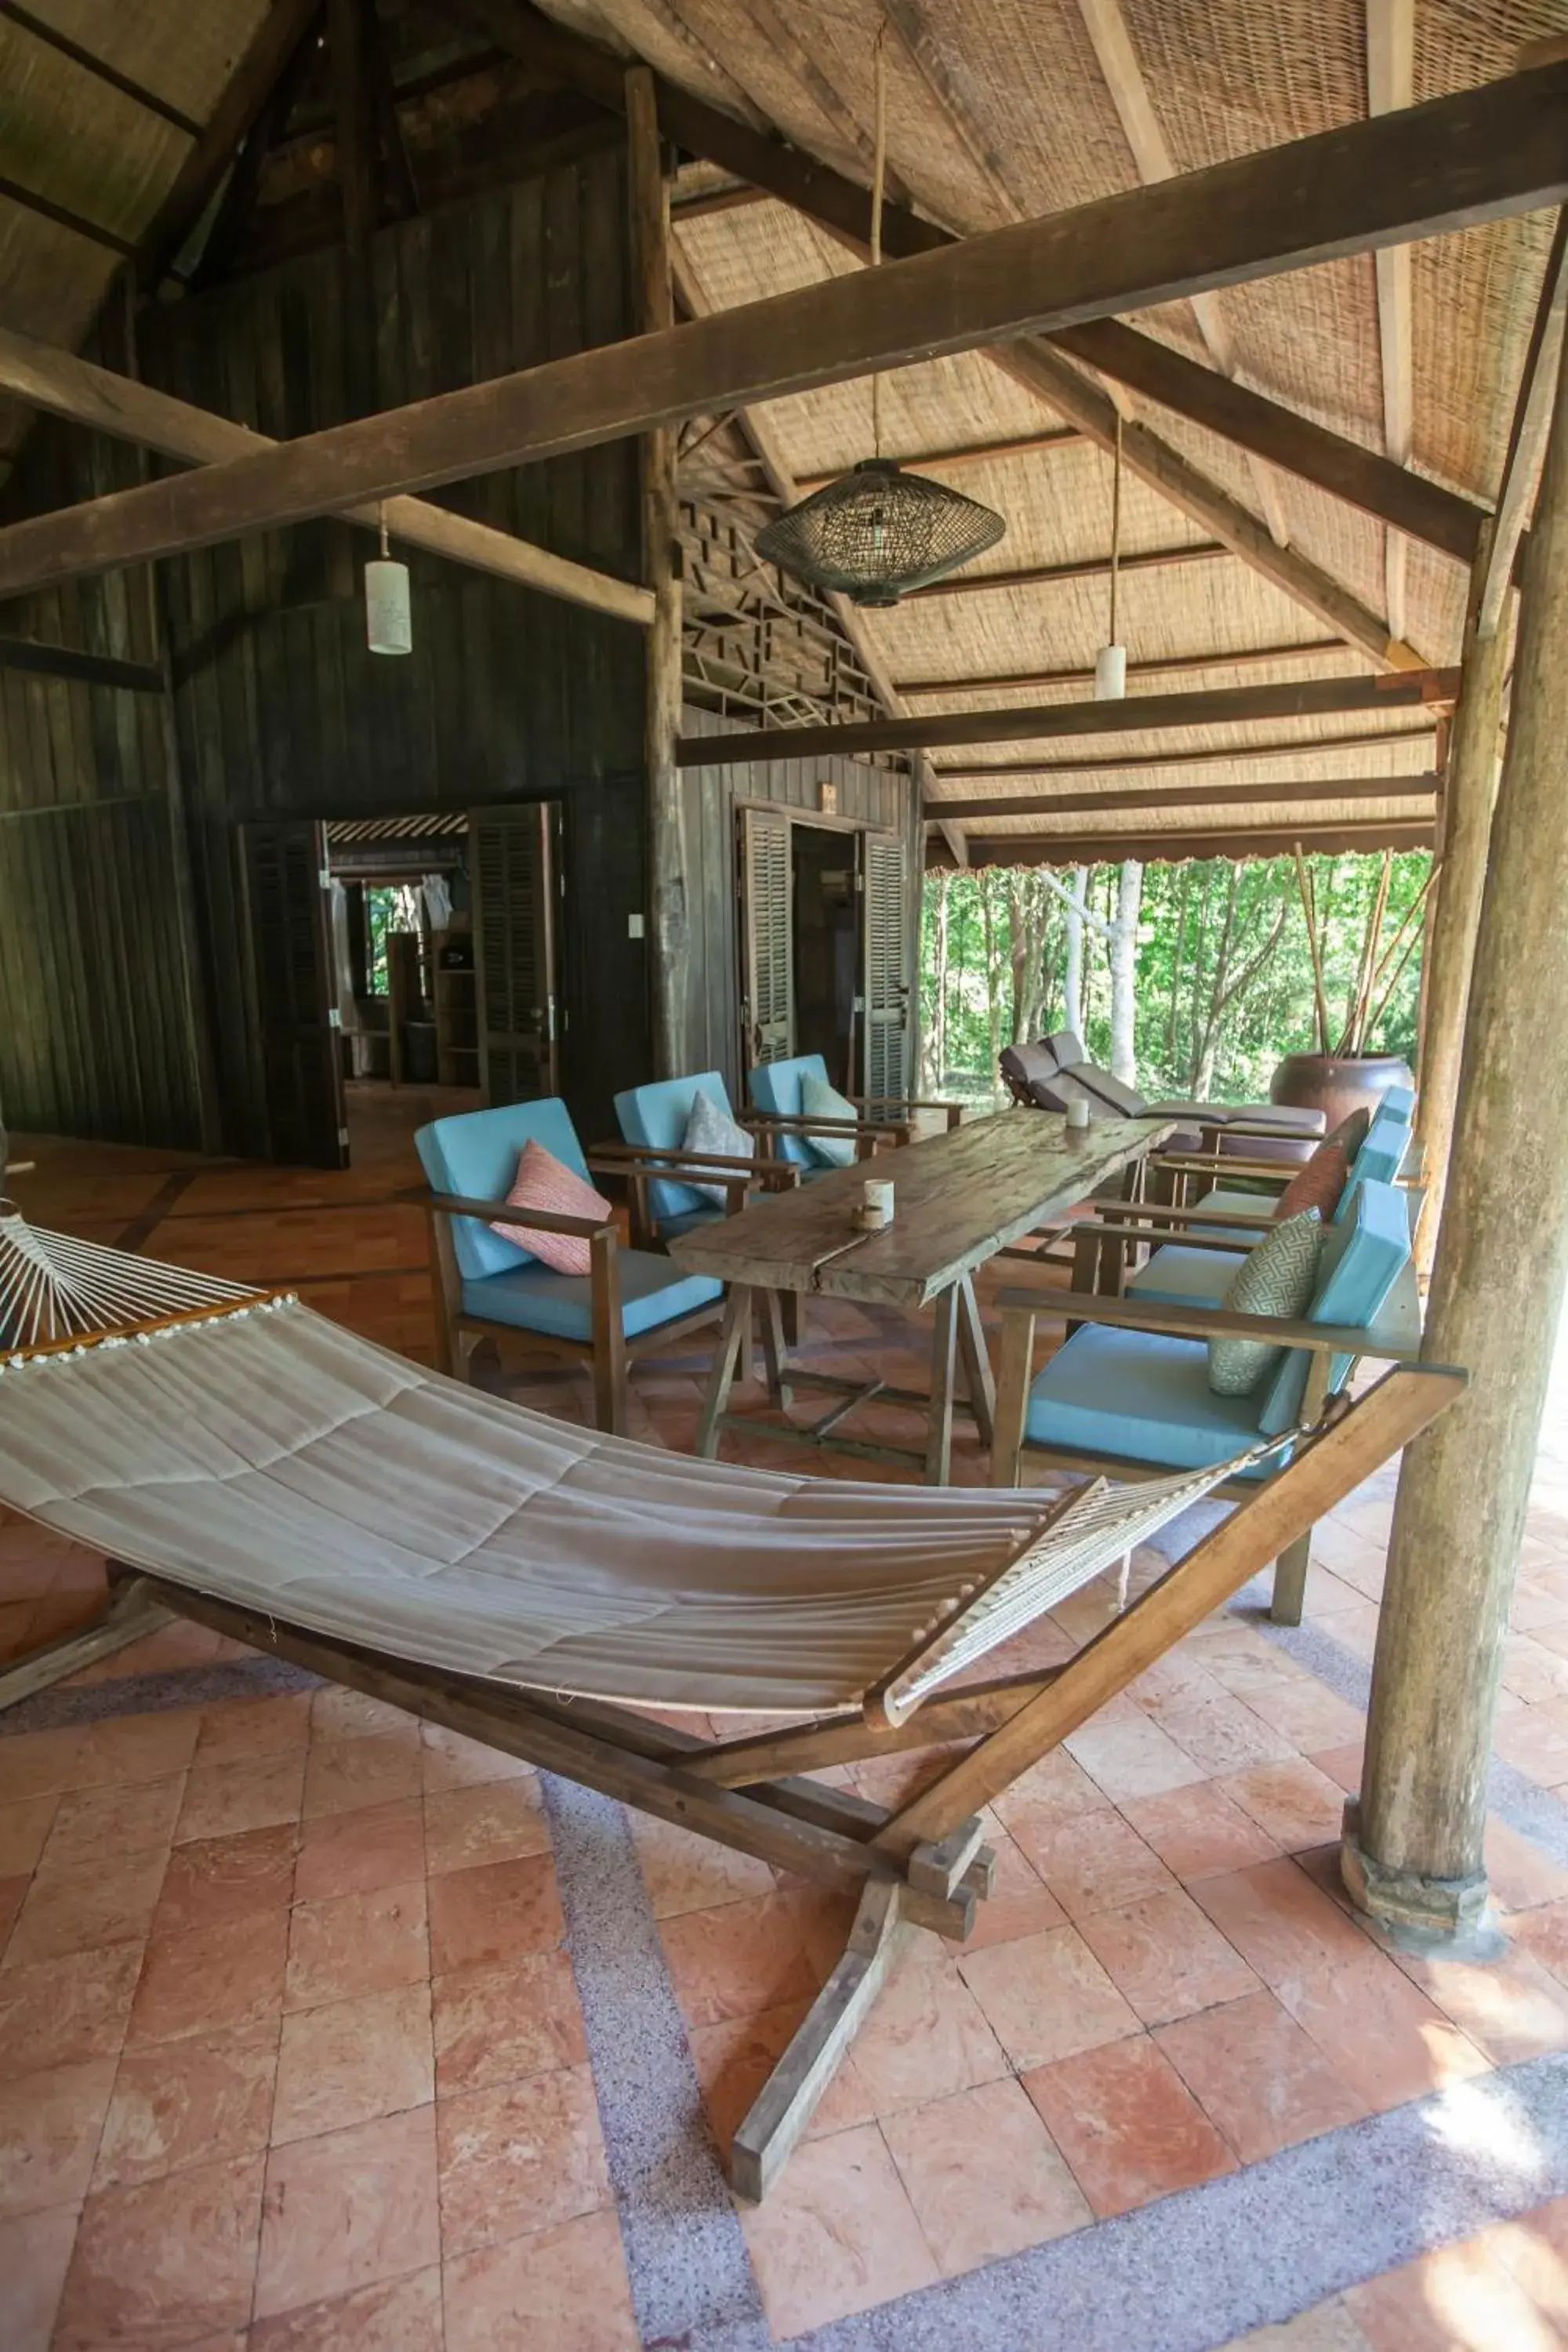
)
(669, 941)
(1498, 1285)
(1469, 787)
(131, 1615)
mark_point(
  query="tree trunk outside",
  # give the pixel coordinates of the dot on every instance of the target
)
(935, 1041)
(1072, 991)
(1124, 973)
(1498, 1289)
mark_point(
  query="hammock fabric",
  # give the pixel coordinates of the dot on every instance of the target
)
(240, 1445)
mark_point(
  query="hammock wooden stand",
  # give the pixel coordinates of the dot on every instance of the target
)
(919, 1865)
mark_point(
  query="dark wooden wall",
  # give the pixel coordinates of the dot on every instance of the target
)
(881, 799)
(278, 708)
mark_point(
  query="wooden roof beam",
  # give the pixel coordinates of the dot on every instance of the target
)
(98, 67)
(1176, 844)
(1168, 796)
(1233, 755)
(1049, 575)
(1334, 463)
(1527, 439)
(1390, 84)
(1244, 657)
(1230, 706)
(71, 662)
(129, 410)
(1455, 162)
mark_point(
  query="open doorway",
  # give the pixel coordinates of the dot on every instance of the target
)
(825, 923)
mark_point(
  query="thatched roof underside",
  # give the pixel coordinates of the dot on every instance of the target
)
(996, 110)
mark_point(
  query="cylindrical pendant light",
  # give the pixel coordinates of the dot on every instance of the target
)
(1111, 661)
(389, 611)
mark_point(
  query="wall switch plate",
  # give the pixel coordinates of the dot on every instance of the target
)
(633, 926)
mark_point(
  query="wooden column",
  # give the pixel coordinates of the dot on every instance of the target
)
(669, 941)
(1471, 787)
(1415, 1852)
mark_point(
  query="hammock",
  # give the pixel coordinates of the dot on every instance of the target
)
(234, 1443)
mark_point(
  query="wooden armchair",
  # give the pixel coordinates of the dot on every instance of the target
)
(1128, 1394)
(629, 1302)
(776, 1114)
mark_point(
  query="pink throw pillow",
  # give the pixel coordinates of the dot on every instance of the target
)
(542, 1182)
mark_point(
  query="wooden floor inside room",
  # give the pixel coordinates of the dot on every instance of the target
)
(303, 2048)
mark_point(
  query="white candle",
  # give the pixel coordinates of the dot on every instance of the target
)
(1078, 1112)
(876, 1203)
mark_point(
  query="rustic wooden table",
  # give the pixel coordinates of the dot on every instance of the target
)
(958, 1198)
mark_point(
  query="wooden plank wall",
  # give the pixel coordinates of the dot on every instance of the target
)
(508, 695)
(882, 798)
(95, 1036)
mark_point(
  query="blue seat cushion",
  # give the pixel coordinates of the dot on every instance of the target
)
(1139, 1396)
(476, 1152)
(654, 1116)
(559, 1305)
(1363, 1256)
(1244, 1204)
(1185, 1277)
(776, 1087)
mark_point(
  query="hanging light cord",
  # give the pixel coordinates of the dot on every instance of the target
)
(1116, 530)
(381, 517)
(879, 176)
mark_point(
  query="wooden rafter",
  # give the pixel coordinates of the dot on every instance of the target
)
(1452, 163)
(1168, 664)
(63, 216)
(98, 67)
(1153, 159)
(69, 661)
(1527, 439)
(1085, 567)
(1390, 83)
(1176, 796)
(1172, 845)
(128, 411)
(1288, 748)
(1230, 706)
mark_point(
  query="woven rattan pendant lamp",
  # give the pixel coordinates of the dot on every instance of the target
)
(878, 532)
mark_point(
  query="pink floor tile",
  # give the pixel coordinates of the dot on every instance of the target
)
(497, 1821)
(204, 2099)
(1461, 2299)
(1126, 2125)
(1165, 1958)
(519, 2155)
(350, 1945)
(1019, 1904)
(1126, 1754)
(401, 2316)
(983, 2175)
(1261, 2081)
(734, 2058)
(450, 1761)
(227, 1976)
(1522, 1878)
(222, 1800)
(239, 1730)
(1200, 1833)
(359, 1852)
(495, 2025)
(1514, 2008)
(377, 1769)
(683, 1872)
(49, 2128)
(1094, 1864)
(24, 1828)
(214, 1880)
(1379, 2031)
(557, 2290)
(137, 1748)
(1056, 1789)
(91, 1824)
(1297, 1804)
(1279, 1921)
(85, 1906)
(347, 2210)
(59, 2011)
(925, 2038)
(1046, 1997)
(481, 1916)
(165, 2264)
(34, 2253)
(353, 2060)
(837, 2235)
(738, 1959)
(337, 1712)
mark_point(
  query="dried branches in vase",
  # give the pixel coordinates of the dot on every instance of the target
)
(1379, 964)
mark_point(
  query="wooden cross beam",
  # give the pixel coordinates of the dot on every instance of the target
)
(1173, 845)
(1160, 666)
(72, 662)
(1291, 748)
(129, 410)
(1197, 796)
(1144, 713)
(1453, 162)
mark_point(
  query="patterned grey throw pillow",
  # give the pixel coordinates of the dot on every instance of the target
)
(710, 1127)
(1278, 1277)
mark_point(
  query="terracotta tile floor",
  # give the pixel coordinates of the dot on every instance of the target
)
(292, 2054)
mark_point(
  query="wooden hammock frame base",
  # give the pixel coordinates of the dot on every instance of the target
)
(920, 1864)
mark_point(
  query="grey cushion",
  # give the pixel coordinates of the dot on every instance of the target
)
(820, 1100)
(710, 1127)
(1278, 1277)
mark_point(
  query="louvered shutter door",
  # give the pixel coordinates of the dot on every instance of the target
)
(770, 955)
(889, 977)
(512, 867)
(291, 957)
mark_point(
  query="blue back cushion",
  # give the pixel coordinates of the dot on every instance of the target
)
(1379, 1158)
(776, 1086)
(1401, 1101)
(476, 1153)
(1363, 1256)
(654, 1116)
